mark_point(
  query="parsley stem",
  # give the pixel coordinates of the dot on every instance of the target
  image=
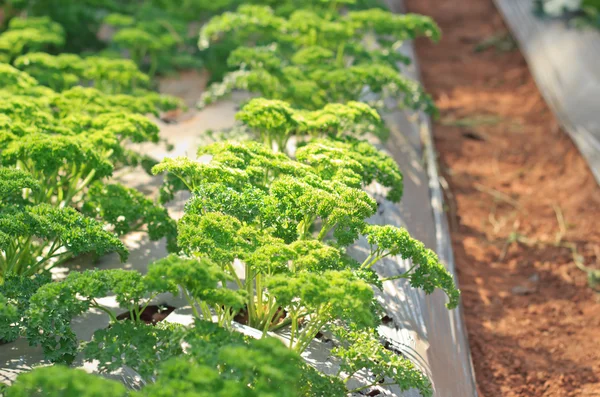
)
(406, 274)
(113, 318)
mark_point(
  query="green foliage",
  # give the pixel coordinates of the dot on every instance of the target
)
(217, 363)
(239, 365)
(92, 101)
(59, 381)
(285, 7)
(128, 210)
(591, 3)
(313, 86)
(192, 379)
(13, 181)
(322, 298)
(591, 13)
(12, 78)
(340, 209)
(79, 18)
(193, 173)
(158, 30)
(42, 236)
(315, 384)
(297, 199)
(63, 71)
(68, 142)
(9, 316)
(303, 255)
(254, 159)
(140, 42)
(353, 162)
(310, 58)
(46, 155)
(265, 232)
(274, 214)
(120, 88)
(275, 121)
(427, 272)
(134, 344)
(30, 34)
(156, 36)
(270, 217)
(202, 283)
(54, 305)
(261, 25)
(119, 20)
(401, 26)
(58, 72)
(362, 351)
(127, 126)
(15, 292)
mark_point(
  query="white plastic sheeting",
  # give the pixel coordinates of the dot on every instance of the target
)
(565, 62)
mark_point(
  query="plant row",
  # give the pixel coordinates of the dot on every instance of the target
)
(264, 236)
(580, 13)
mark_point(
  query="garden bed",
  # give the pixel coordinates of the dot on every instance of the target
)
(417, 326)
(420, 338)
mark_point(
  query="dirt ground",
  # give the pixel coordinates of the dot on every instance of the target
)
(521, 203)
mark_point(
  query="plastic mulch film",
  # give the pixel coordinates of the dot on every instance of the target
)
(565, 63)
(420, 326)
(423, 329)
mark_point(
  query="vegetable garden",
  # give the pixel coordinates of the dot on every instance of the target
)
(263, 254)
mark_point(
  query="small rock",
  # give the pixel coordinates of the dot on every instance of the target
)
(523, 290)
(534, 278)
(473, 136)
(529, 287)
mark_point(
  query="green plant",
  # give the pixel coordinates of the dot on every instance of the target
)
(60, 149)
(129, 210)
(288, 226)
(313, 86)
(354, 162)
(30, 34)
(581, 13)
(199, 280)
(264, 236)
(157, 41)
(223, 363)
(15, 292)
(217, 363)
(318, 299)
(59, 381)
(595, 4)
(134, 344)
(63, 71)
(84, 21)
(54, 305)
(426, 272)
(275, 122)
(55, 146)
(310, 59)
(37, 236)
(361, 351)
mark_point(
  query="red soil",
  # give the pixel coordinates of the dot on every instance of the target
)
(533, 321)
